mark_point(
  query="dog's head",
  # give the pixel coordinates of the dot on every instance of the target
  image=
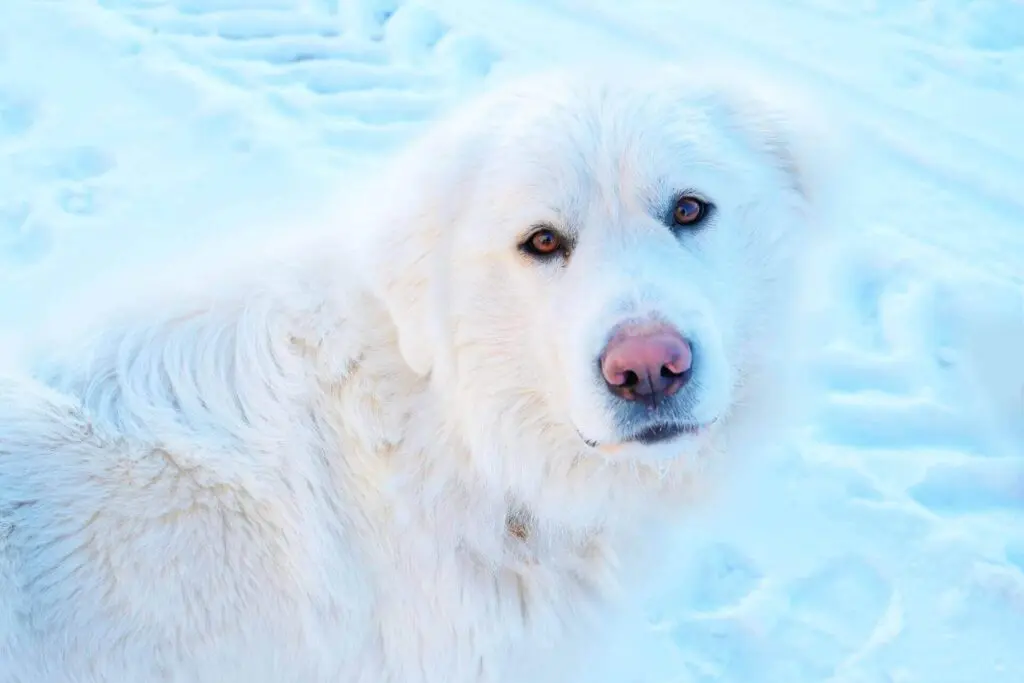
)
(598, 266)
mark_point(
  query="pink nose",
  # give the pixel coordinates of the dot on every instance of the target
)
(646, 364)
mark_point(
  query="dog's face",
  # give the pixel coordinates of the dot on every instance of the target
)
(615, 266)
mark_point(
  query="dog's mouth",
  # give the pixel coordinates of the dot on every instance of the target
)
(663, 431)
(653, 434)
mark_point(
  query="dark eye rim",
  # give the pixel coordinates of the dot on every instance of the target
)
(561, 253)
(707, 208)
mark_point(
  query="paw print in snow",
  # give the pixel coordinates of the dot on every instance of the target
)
(68, 164)
(24, 241)
(18, 114)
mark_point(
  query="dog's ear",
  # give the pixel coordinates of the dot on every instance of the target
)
(407, 279)
(778, 120)
(405, 253)
(403, 256)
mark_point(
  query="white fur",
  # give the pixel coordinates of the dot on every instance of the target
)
(361, 460)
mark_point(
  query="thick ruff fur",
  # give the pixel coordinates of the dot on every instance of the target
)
(389, 457)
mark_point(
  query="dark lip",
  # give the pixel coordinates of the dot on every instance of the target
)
(662, 431)
(659, 432)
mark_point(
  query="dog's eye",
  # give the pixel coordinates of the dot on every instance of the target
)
(544, 243)
(689, 211)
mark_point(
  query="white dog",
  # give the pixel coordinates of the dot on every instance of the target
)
(421, 449)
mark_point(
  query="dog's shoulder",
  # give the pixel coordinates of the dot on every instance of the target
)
(36, 420)
(227, 355)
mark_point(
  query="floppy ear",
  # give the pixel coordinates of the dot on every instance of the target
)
(408, 280)
(780, 123)
(415, 205)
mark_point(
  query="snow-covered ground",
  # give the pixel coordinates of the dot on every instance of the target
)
(887, 544)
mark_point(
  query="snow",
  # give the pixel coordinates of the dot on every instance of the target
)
(886, 543)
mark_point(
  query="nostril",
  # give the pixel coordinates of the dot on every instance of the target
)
(668, 373)
(629, 379)
(680, 362)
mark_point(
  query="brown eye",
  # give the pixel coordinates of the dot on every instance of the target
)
(689, 211)
(544, 242)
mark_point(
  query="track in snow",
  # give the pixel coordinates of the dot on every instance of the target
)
(363, 75)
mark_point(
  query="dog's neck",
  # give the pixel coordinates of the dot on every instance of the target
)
(500, 516)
